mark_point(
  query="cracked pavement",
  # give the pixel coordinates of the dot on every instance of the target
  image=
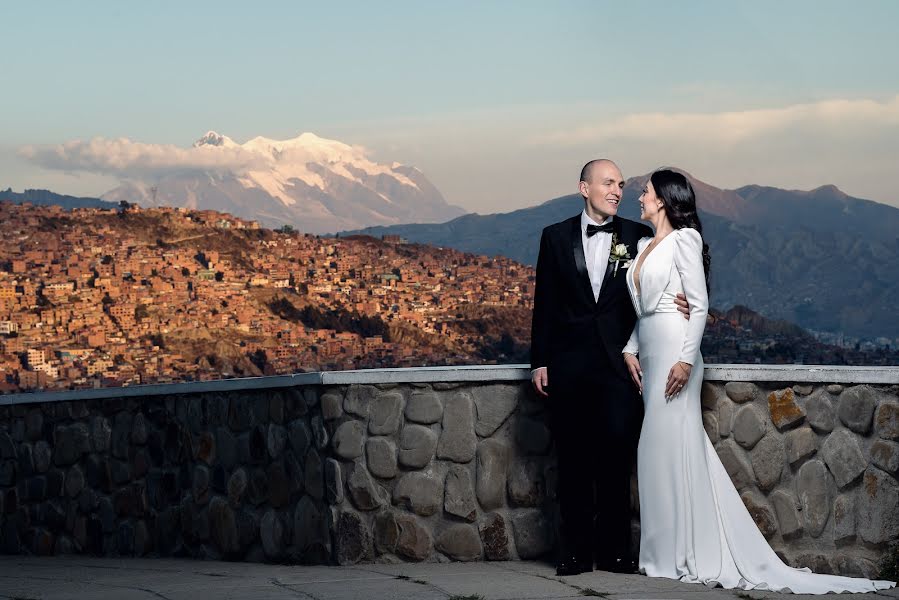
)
(32, 578)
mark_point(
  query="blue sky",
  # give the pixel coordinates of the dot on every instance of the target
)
(499, 103)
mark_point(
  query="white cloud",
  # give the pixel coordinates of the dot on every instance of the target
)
(128, 159)
(730, 127)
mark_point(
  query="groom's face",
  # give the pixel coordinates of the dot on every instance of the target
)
(603, 190)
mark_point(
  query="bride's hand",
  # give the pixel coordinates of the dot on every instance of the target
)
(677, 379)
(633, 367)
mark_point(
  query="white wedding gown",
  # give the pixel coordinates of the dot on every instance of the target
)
(694, 526)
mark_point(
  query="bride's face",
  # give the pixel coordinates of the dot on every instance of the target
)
(650, 204)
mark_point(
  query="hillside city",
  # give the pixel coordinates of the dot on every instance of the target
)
(129, 296)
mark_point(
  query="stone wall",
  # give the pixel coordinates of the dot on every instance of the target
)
(236, 476)
(815, 464)
(400, 471)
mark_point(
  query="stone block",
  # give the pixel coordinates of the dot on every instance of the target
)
(34, 425)
(526, 484)
(314, 471)
(460, 542)
(708, 396)
(300, 436)
(331, 406)
(458, 495)
(856, 408)
(814, 496)
(493, 404)
(319, 432)
(272, 533)
(386, 411)
(726, 410)
(533, 533)
(844, 458)
(843, 518)
(100, 434)
(420, 492)
(821, 415)
(878, 507)
(417, 446)
(380, 453)
(223, 527)
(71, 442)
(885, 454)
(353, 539)
(785, 506)
(358, 400)
(801, 443)
(784, 410)
(42, 456)
(458, 441)
(413, 540)
(364, 492)
(237, 486)
(492, 464)
(761, 513)
(886, 421)
(275, 440)
(494, 537)
(710, 424)
(749, 426)
(768, 461)
(741, 391)
(139, 430)
(424, 407)
(74, 481)
(310, 527)
(349, 439)
(735, 463)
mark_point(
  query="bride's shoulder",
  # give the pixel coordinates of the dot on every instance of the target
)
(643, 242)
(688, 238)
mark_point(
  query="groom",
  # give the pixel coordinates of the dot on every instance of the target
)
(582, 319)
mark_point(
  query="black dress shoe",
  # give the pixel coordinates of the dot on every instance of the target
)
(618, 565)
(571, 565)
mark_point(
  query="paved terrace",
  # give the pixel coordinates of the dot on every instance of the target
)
(61, 578)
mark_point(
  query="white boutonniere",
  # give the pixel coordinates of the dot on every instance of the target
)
(619, 255)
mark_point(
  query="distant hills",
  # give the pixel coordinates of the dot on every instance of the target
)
(313, 184)
(48, 198)
(819, 258)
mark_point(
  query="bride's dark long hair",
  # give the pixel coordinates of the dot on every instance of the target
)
(676, 193)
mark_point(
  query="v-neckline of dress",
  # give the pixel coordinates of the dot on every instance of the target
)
(640, 262)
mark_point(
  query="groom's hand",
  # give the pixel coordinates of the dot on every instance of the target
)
(540, 381)
(683, 305)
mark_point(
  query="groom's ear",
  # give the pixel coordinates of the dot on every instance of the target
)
(582, 187)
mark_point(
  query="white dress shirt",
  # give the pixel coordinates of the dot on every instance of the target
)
(596, 252)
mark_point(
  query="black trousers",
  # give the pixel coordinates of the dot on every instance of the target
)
(596, 424)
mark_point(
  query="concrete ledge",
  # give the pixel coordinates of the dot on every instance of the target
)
(461, 374)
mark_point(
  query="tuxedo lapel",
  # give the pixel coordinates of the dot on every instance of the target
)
(607, 280)
(580, 262)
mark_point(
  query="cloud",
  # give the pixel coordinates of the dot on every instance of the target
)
(730, 127)
(126, 159)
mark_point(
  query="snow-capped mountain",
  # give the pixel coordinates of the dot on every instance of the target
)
(313, 184)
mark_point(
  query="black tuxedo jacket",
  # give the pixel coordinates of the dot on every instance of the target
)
(578, 339)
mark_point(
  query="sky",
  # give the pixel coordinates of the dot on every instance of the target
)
(499, 103)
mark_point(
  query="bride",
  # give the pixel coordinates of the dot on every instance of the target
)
(694, 527)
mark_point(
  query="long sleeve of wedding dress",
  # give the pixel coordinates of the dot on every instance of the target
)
(694, 525)
(688, 262)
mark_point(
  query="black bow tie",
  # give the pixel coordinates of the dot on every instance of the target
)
(594, 229)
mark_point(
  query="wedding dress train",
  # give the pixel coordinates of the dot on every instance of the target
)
(694, 526)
